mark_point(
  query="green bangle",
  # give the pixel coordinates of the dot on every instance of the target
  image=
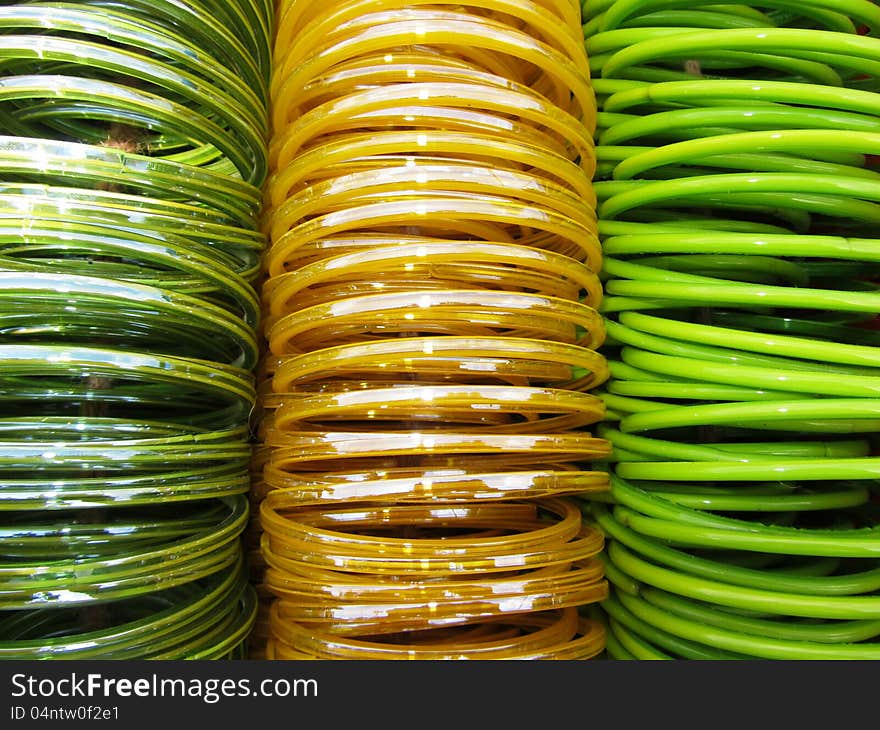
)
(807, 606)
(794, 141)
(150, 176)
(794, 42)
(176, 623)
(745, 644)
(243, 53)
(858, 10)
(84, 308)
(623, 96)
(783, 580)
(130, 573)
(704, 530)
(227, 392)
(624, 620)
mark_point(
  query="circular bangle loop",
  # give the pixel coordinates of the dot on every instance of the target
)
(447, 312)
(509, 360)
(431, 317)
(206, 550)
(133, 154)
(536, 636)
(736, 213)
(206, 619)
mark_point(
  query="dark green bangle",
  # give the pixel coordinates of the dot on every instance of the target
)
(190, 555)
(176, 623)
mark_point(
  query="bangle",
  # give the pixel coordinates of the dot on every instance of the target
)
(431, 315)
(407, 267)
(535, 546)
(307, 596)
(559, 635)
(380, 147)
(558, 24)
(243, 47)
(291, 449)
(207, 618)
(208, 546)
(698, 528)
(429, 100)
(225, 392)
(372, 31)
(481, 217)
(512, 185)
(846, 607)
(736, 216)
(744, 643)
(149, 176)
(460, 481)
(790, 140)
(446, 312)
(489, 408)
(508, 360)
(239, 141)
(77, 305)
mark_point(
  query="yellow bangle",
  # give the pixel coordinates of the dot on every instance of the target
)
(431, 311)
(457, 481)
(385, 149)
(429, 177)
(305, 535)
(443, 215)
(553, 635)
(557, 22)
(321, 596)
(409, 103)
(410, 266)
(565, 82)
(477, 408)
(510, 360)
(462, 312)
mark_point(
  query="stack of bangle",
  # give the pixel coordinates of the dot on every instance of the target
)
(431, 314)
(738, 210)
(134, 150)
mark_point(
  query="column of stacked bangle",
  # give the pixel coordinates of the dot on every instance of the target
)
(739, 212)
(133, 150)
(431, 316)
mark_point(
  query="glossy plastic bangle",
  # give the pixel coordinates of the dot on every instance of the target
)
(432, 177)
(94, 304)
(147, 175)
(243, 46)
(535, 546)
(373, 31)
(295, 449)
(406, 201)
(741, 644)
(327, 596)
(505, 153)
(459, 482)
(88, 580)
(783, 580)
(731, 351)
(203, 619)
(448, 312)
(496, 409)
(509, 360)
(556, 25)
(539, 636)
(519, 267)
(228, 391)
(397, 101)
